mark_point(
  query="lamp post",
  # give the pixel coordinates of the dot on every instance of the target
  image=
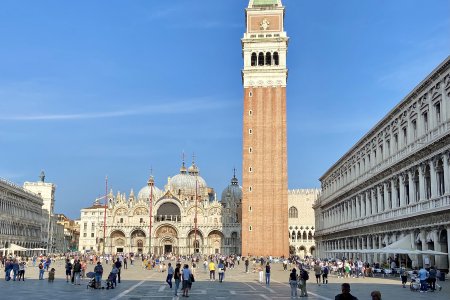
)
(104, 216)
(195, 217)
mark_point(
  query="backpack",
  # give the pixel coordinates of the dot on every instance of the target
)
(305, 275)
(325, 270)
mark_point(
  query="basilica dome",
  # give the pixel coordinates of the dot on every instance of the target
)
(185, 182)
(232, 192)
(144, 193)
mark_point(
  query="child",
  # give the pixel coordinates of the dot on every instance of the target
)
(404, 277)
(51, 275)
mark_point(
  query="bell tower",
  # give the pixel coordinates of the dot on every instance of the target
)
(264, 76)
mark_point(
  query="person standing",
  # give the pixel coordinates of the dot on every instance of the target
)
(317, 272)
(268, 273)
(98, 275)
(186, 280)
(68, 269)
(41, 271)
(432, 278)
(15, 268)
(125, 263)
(304, 276)
(221, 268)
(177, 277)
(22, 267)
(169, 275)
(77, 272)
(423, 276)
(293, 283)
(345, 293)
(404, 277)
(325, 272)
(212, 271)
(119, 267)
(246, 264)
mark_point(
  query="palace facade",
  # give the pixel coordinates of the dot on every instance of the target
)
(168, 216)
(301, 221)
(393, 185)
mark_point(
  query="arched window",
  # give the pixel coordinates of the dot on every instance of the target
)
(276, 59)
(304, 235)
(253, 59)
(261, 59)
(268, 59)
(293, 212)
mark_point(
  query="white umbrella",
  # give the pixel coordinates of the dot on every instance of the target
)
(431, 252)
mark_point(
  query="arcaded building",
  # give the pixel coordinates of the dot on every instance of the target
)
(264, 171)
(172, 212)
(393, 185)
(301, 221)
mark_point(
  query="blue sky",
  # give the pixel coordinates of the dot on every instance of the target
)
(95, 88)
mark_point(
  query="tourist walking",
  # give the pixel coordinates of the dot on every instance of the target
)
(98, 275)
(186, 281)
(345, 293)
(267, 273)
(169, 275)
(317, 272)
(8, 268)
(22, 267)
(246, 264)
(177, 278)
(325, 272)
(41, 271)
(293, 283)
(423, 276)
(15, 269)
(432, 278)
(304, 276)
(77, 272)
(68, 269)
(212, 270)
(221, 268)
(119, 267)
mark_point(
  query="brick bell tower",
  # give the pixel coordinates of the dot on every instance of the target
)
(264, 170)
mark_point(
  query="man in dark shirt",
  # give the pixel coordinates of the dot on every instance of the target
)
(345, 295)
(119, 267)
(176, 276)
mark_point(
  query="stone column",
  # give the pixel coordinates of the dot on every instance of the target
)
(448, 243)
(445, 158)
(433, 177)
(421, 182)
(393, 194)
(367, 201)
(424, 245)
(402, 178)
(363, 205)
(380, 205)
(374, 201)
(411, 186)
(438, 259)
(358, 208)
(386, 196)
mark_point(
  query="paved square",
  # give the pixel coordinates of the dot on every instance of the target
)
(140, 284)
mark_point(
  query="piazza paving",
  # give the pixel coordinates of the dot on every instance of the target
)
(140, 284)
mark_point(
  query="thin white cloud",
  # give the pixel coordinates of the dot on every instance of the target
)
(181, 107)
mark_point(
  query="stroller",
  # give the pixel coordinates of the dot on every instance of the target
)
(111, 281)
(91, 284)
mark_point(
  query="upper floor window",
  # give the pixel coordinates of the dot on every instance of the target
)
(437, 109)
(405, 136)
(293, 212)
(425, 121)
(253, 59)
(261, 59)
(268, 59)
(414, 129)
(395, 142)
(276, 59)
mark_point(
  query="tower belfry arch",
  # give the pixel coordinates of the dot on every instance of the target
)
(264, 77)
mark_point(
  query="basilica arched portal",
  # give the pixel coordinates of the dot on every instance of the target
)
(138, 238)
(118, 241)
(166, 240)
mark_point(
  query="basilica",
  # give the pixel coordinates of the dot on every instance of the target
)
(183, 218)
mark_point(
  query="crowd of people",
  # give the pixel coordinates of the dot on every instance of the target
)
(183, 269)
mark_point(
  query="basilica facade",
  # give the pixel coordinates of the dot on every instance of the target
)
(183, 218)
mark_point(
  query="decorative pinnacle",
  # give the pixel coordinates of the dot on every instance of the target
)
(42, 176)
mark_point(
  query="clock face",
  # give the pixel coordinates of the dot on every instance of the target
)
(269, 22)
